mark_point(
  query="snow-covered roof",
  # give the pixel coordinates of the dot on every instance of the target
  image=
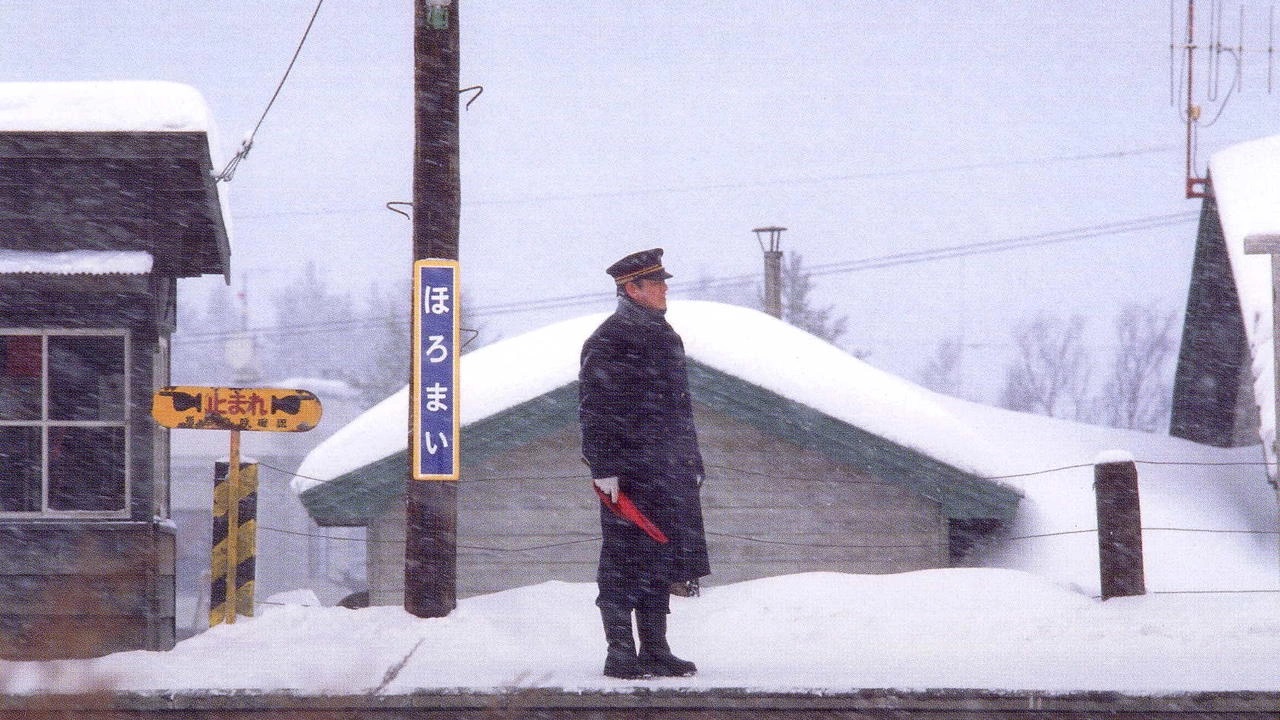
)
(116, 106)
(1246, 187)
(740, 342)
(76, 262)
(119, 129)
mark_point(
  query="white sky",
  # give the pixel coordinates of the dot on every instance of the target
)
(866, 128)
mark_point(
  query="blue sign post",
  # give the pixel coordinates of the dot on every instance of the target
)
(436, 350)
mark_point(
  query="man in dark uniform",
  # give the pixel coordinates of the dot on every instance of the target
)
(639, 440)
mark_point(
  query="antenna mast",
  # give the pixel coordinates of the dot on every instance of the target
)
(1197, 186)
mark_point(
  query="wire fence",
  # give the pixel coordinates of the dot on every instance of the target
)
(776, 541)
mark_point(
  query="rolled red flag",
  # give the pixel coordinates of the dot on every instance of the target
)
(627, 510)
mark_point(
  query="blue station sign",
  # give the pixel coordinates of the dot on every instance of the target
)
(436, 351)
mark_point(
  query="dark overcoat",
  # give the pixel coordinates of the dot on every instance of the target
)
(637, 425)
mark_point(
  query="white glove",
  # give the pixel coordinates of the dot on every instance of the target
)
(608, 486)
(701, 479)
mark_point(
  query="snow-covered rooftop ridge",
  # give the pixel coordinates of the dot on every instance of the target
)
(797, 365)
(740, 342)
(76, 262)
(1246, 187)
(109, 106)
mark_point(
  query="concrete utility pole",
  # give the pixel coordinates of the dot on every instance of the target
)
(431, 507)
(772, 268)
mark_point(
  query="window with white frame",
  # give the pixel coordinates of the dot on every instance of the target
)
(64, 433)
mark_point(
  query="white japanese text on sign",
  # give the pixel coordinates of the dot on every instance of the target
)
(436, 331)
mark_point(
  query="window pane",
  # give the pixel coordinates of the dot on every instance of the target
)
(20, 469)
(20, 377)
(86, 377)
(86, 468)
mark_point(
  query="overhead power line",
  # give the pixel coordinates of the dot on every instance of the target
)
(870, 263)
(820, 179)
(777, 182)
(777, 539)
(876, 262)
(229, 171)
(1025, 241)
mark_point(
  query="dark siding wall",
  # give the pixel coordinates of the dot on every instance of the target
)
(87, 587)
(802, 512)
(81, 589)
(1212, 397)
(148, 491)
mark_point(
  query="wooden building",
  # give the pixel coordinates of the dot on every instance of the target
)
(1213, 400)
(106, 200)
(815, 461)
(1224, 388)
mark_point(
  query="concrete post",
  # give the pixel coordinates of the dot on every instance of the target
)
(1115, 485)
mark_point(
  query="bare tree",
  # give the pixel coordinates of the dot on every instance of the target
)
(316, 332)
(1137, 395)
(942, 372)
(386, 327)
(798, 308)
(739, 292)
(1050, 374)
(198, 345)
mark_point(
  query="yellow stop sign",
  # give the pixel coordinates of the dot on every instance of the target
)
(229, 408)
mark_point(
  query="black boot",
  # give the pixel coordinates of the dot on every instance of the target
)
(621, 661)
(655, 655)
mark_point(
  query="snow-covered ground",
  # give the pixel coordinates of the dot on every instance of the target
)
(1027, 621)
(975, 628)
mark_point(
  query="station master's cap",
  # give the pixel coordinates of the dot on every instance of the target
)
(643, 265)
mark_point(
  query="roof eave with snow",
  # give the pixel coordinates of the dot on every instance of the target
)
(76, 262)
(116, 106)
(128, 128)
(858, 416)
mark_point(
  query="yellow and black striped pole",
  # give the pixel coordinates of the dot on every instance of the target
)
(235, 528)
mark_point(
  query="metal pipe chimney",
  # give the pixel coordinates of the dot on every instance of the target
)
(772, 268)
